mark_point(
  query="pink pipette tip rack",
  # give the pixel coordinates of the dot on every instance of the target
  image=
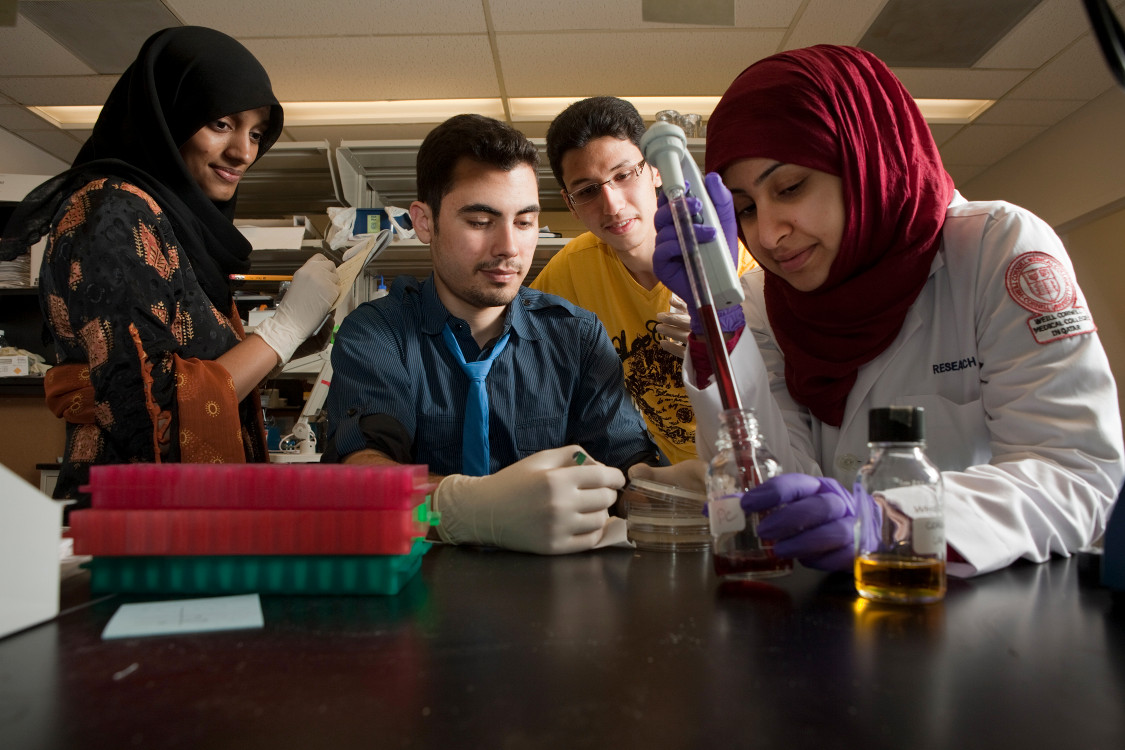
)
(243, 519)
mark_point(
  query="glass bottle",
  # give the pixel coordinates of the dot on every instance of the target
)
(742, 461)
(900, 539)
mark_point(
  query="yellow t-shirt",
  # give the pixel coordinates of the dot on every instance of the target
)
(588, 273)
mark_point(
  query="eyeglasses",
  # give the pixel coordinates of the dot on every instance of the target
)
(619, 181)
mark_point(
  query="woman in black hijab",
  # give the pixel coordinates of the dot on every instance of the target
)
(153, 362)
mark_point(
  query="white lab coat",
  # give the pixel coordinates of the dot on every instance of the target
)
(1027, 434)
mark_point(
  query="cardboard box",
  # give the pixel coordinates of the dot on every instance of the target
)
(276, 234)
(274, 238)
(30, 530)
(14, 366)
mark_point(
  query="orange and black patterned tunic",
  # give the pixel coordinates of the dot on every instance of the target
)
(136, 338)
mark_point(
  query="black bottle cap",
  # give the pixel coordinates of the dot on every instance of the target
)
(896, 424)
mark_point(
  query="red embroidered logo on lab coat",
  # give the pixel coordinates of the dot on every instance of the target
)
(1040, 284)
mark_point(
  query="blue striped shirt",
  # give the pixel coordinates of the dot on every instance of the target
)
(396, 388)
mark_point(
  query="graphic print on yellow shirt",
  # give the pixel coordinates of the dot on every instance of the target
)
(654, 378)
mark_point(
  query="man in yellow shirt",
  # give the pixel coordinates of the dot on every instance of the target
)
(594, 149)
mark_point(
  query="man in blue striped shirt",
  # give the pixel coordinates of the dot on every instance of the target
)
(552, 394)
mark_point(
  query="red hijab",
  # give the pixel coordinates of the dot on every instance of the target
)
(840, 110)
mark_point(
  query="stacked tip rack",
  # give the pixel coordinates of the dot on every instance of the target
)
(242, 528)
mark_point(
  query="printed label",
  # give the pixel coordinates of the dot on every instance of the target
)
(1061, 324)
(725, 515)
(929, 535)
(916, 516)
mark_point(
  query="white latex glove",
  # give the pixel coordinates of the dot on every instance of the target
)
(689, 475)
(544, 503)
(303, 308)
(674, 326)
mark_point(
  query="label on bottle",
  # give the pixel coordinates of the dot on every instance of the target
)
(921, 505)
(725, 514)
(929, 535)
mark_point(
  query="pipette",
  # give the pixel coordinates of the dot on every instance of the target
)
(714, 281)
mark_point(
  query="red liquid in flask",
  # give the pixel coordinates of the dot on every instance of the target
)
(743, 554)
(751, 564)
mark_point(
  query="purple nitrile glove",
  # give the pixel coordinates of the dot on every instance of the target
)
(812, 519)
(668, 261)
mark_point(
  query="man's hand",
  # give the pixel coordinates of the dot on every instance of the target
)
(545, 503)
(674, 326)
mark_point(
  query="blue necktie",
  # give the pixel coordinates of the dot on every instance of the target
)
(474, 438)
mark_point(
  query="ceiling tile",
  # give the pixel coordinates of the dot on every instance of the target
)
(1046, 31)
(1010, 111)
(14, 117)
(331, 18)
(624, 15)
(1079, 72)
(67, 90)
(106, 35)
(987, 144)
(25, 50)
(946, 83)
(962, 173)
(57, 143)
(833, 22)
(351, 68)
(635, 64)
(943, 132)
(373, 49)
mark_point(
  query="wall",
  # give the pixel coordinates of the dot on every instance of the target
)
(1073, 176)
(1098, 251)
(1073, 170)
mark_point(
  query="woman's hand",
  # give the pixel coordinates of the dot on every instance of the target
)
(811, 519)
(304, 308)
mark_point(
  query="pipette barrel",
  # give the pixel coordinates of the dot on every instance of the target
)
(705, 304)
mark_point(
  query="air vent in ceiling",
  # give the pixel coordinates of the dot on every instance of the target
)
(947, 34)
(701, 12)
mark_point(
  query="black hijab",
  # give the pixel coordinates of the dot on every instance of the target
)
(182, 78)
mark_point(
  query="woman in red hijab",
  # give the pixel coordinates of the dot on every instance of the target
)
(881, 285)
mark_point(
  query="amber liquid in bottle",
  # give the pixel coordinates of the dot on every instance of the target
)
(891, 578)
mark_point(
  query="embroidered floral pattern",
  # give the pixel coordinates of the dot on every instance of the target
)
(84, 442)
(103, 414)
(75, 215)
(149, 249)
(95, 338)
(152, 205)
(58, 318)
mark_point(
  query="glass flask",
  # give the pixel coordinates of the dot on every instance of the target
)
(742, 461)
